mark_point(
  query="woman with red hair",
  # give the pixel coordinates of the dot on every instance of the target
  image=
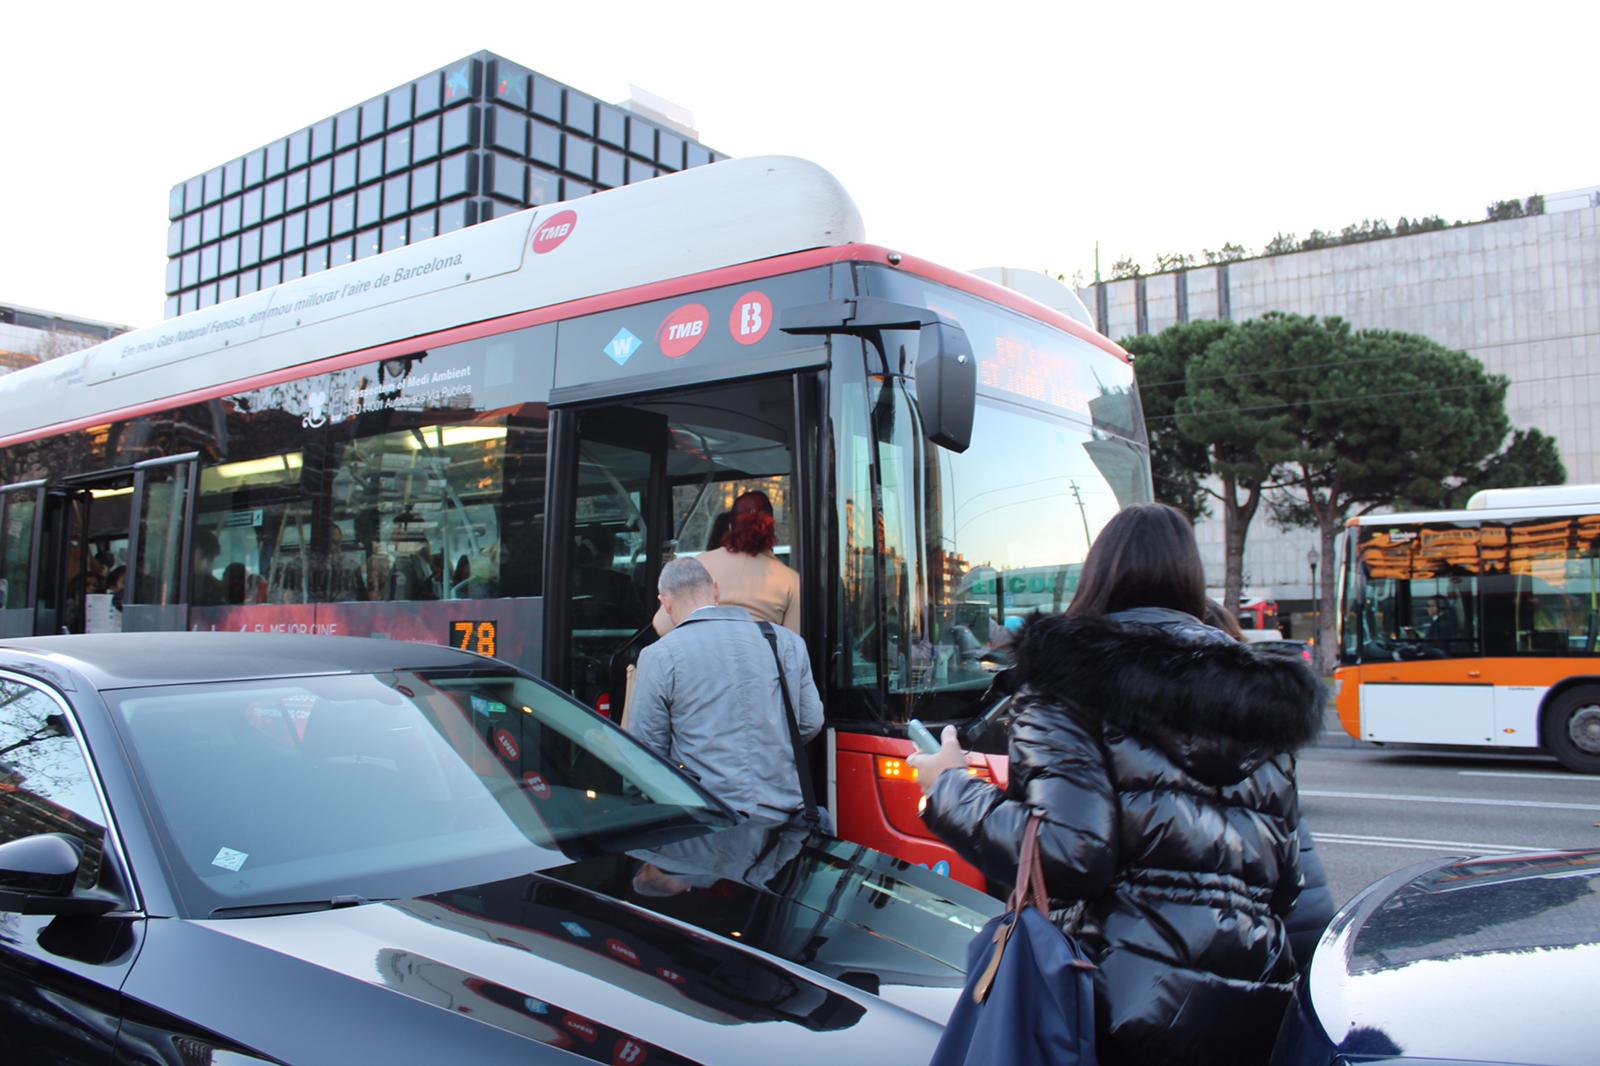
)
(747, 574)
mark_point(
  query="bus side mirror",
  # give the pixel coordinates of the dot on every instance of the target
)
(947, 384)
(947, 374)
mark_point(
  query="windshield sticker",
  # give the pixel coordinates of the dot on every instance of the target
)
(507, 746)
(751, 317)
(229, 859)
(627, 1052)
(682, 330)
(483, 705)
(536, 784)
(535, 1006)
(622, 346)
(576, 930)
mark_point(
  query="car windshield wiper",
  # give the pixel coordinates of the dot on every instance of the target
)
(262, 910)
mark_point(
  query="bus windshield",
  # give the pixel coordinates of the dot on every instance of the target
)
(973, 542)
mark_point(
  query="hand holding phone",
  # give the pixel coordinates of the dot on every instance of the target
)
(920, 736)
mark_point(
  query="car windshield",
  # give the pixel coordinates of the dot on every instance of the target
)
(381, 786)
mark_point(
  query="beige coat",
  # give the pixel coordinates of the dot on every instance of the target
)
(760, 584)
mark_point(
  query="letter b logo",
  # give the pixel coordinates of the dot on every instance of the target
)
(751, 317)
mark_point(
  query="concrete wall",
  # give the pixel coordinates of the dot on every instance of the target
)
(1523, 296)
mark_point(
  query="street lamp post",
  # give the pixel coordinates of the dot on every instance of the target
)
(1312, 558)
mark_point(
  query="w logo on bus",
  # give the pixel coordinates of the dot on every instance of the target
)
(622, 346)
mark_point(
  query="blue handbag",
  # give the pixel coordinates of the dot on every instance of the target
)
(1029, 998)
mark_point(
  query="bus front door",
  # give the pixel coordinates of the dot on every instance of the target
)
(607, 553)
(643, 480)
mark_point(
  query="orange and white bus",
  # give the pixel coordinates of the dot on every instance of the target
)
(496, 437)
(1476, 627)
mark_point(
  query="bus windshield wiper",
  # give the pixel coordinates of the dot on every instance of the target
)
(262, 910)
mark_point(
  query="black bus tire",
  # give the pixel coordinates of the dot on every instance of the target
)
(1569, 728)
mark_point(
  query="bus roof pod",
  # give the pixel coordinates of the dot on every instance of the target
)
(728, 213)
(1037, 285)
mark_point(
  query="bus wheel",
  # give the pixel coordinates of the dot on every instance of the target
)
(1570, 727)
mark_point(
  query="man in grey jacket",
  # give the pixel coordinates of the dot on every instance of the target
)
(706, 697)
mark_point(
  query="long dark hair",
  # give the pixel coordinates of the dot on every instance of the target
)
(1145, 557)
(752, 529)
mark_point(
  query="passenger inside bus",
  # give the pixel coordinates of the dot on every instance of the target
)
(234, 583)
(345, 578)
(745, 569)
(206, 590)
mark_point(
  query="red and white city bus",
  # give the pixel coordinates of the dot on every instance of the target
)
(496, 437)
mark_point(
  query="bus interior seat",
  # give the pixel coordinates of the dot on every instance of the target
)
(1549, 641)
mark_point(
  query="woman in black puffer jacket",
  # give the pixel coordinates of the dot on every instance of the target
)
(1158, 752)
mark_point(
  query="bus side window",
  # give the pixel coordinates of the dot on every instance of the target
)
(417, 515)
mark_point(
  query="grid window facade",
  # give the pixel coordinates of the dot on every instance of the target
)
(478, 139)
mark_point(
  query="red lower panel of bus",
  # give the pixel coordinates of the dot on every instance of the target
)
(880, 804)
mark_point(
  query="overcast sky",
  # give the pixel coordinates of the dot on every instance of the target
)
(974, 133)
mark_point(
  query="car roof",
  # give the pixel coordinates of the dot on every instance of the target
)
(1502, 937)
(137, 660)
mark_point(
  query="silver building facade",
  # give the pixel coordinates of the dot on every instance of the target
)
(1521, 295)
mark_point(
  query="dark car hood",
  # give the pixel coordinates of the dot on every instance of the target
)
(1481, 960)
(672, 948)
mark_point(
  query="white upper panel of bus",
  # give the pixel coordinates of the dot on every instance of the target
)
(1580, 496)
(714, 216)
(1489, 504)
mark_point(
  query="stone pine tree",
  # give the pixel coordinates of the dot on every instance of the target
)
(1239, 405)
(1390, 418)
(1530, 457)
(1178, 464)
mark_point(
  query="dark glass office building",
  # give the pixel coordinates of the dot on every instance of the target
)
(478, 139)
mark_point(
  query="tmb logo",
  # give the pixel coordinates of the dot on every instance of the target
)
(581, 1026)
(683, 329)
(548, 235)
(507, 745)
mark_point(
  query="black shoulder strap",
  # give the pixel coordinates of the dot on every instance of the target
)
(800, 767)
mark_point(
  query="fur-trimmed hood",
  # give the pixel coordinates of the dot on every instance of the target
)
(1213, 705)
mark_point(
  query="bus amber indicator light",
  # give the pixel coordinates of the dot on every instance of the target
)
(548, 235)
(751, 317)
(682, 330)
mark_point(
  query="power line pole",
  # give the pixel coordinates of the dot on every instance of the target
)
(1083, 514)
